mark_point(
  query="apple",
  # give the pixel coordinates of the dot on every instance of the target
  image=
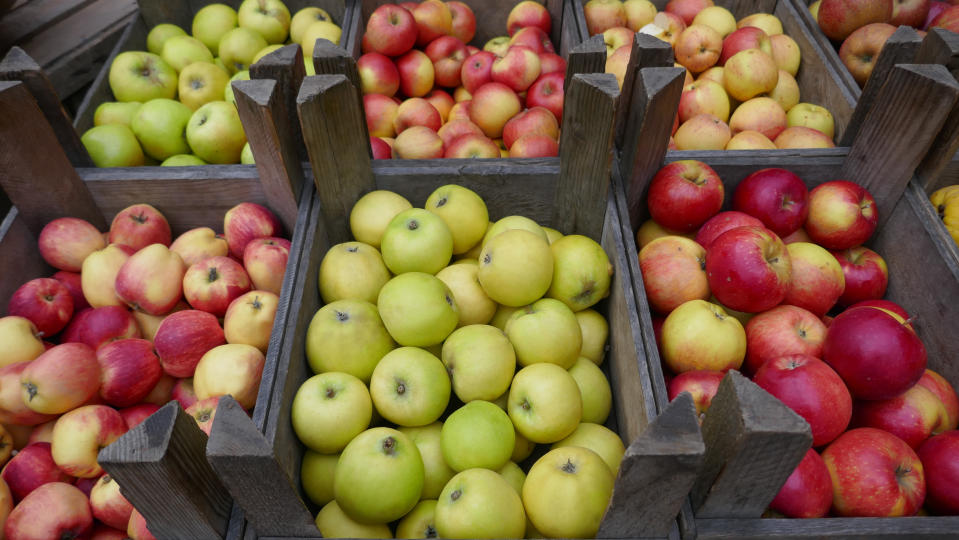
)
(464, 213)
(518, 69)
(598, 438)
(245, 222)
(183, 338)
(616, 38)
(209, 25)
(204, 411)
(477, 70)
(54, 510)
(418, 142)
(416, 240)
(463, 25)
(472, 145)
(434, 19)
(441, 101)
(944, 391)
(352, 270)
(493, 104)
(108, 504)
(380, 148)
(865, 272)
(480, 361)
(416, 112)
(874, 474)
(269, 18)
(232, 369)
(448, 55)
(332, 522)
(720, 223)
(750, 73)
(74, 284)
(807, 492)
(811, 116)
(128, 371)
(803, 137)
(839, 18)
(762, 114)
(947, 19)
(684, 194)
(46, 303)
(390, 30)
(786, 92)
(545, 331)
(841, 215)
(378, 74)
(534, 146)
(97, 326)
(65, 242)
(547, 92)
(30, 468)
(137, 528)
(197, 244)
(639, 13)
(776, 197)
(216, 134)
(594, 390)
(162, 392)
(535, 120)
(704, 97)
(264, 260)
(151, 280)
(781, 331)
(436, 471)
(748, 269)
(141, 76)
(581, 272)
(860, 51)
(604, 14)
(786, 53)
(567, 491)
(479, 503)
(99, 273)
(528, 14)
(159, 34)
(544, 403)
(13, 410)
(516, 267)
(334, 332)
(419, 522)
(913, 416)
(160, 126)
(79, 435)
(698, 47)
(674, 272)
(702, 385)
(417, 74)
(316, 475)
(329, 410)
(373, 212)
(133, 416)
(180, 51)
(238, 46)
(60, 379)
(417, 309)
(938, 457)
(818, 279)
(477, 435)
(700, 335)
(747, 37)
(410, 387)
(212, 284)
(138, 226)
(702, 132)
(768, 23)
(380, 112)
(112, 145)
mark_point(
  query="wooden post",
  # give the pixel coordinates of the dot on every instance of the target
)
(35, 172)
(940, 46)
(162, 470)
(338, 145)
(656, 474)
(246, 464)
(285, 66)
(753, 443)
(267, 125)
(18, 66)
(647, 51)
(900, 48)
(330, 59)
(656, 93)
(587, 57)
(586, 154)
(891, 143)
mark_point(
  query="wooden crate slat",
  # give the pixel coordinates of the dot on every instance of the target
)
(16, 240)
(285, 66)
(587, 57)
(59, 39)
(646, 51)
(940, 46)
(27, 18)
(913, 528)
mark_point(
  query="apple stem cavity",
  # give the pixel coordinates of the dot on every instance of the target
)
(568, 467)
(330, 393)
(400, 386)
(352, 249)
(213, 275)
(31, 389)
(256, 304)
(441, 202)
(525, 405)
(342, 316)
(412, 225)
(389, 446)
(455, 495)
(203, 417)
(431, 531)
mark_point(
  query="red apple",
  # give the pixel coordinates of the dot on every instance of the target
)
(65, 242)
(776, 197)
(79, 435)
(73, 283)
(460, 111)
(674, 272)
(203, 411)
(97, 326)
(874, 474)
(54, 510)
(418, 142)
(45, 302)
(13, 411)
(913, 416)
(416, 112)
(442, 101)
(841, 215)
(41, 433)
(866, 275)
(528, 13)
(247, 221)
(721, 223)
(946, 394)
(60, 379)
(861, 49)
(547, 92)
(937, 15)
(137, 528)
(472, 145)
(909, 12)
(108, 504)
(197, 244)
(749, 269)
(701, 385)
(839, 18)
(476, 70)
(493, 104)
(448, 55)
(380, 111)
(265, 262)
(390, 30)
(128, 371)
(747, 37)
(132, 416)
(684, 194)
(433, 20)
(102, 532)
(807, 492)
(138, 226)
(464, 21)
(537, 40)
(183, 338)
(378, 74)
(30, 468)
(380, 148)
(416, 73)
(457, 128)
(875, 353)
(535, 120)
(210, 285)
(817, 278)
(551, 63)
(940, 461)
(518, 69)
(884, 304)
(533, 146)
(687, 9)
(698, 47)
(782, 331)
(151, 280)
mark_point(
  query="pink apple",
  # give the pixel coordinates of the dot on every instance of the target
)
(42, 433)
(137, 528)
(749, 269)
(457, 128)
(204, 411)
(151, 280)
(265, 262)
(684, 194)
(54, 510)
(703, 97)
(493, 104)
(380, 148)
(247, 221)
(102, 532)
(776, 197)
(603, 14)
(128, 371)
(861, 49)
(535, 120)
(197, 244)
(390, 30)
(183, 338)
(65, 242)
(60, 379)
(698, 47)
(839, 18)
(378, 74)
(13, 411)
(721, 223)
(210, 285)
(940, 461)
(874, 474)
(865, 272)
(464, 21)
(73, 283)
(781, 331)
(547, 92)
(534, 146)
(526, 14)
(448, 55)
(417, 74)
(518, 69)
(476, 70)
(875, 353)
(472, 145)
(108, 504)
(79, 435)
(30, 468)
(947, 18)
(416, 112)
(551, 63)
(747, 37)
(97, 326)
(701, 385)
(538, 41)
(418, 142)
(687, 9)
(913, 416)
(674, 272)
(133, 416)
(45, 302)
(841, 215)
(442, 101)
(138, 226)
(183, 393)
(380, 111)
(817, 278)
(946, 394)
(884, 304)
(807, 492)
(433, 20)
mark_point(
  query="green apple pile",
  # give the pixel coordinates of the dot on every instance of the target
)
(449, 347)
(174, 104)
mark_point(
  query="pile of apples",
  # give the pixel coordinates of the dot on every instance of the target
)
(946, 201)
(459, 101)
(436, 379)
(753, 289)
(863, 26)
(174, 104)
(740, 91)
(79, 368)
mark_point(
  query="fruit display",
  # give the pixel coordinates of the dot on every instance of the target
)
(946, 202)
(174, 103)
(428, 93)
(781, 288)
(740, 91)
(455, 386)
(132, 318)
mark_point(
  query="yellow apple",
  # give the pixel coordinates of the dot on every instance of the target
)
(373, 212)
(347, 336)
(464, 213)
(352, 271)
(516, 267)
(474, 304)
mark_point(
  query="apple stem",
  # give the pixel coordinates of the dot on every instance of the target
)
(389, 445)
(213, 275)
(31, 390)
(342, 316)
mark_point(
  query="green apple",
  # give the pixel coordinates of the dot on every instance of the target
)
(516, 267)
(160, 126)
(269, 18)
(228, 88)
(600, 439)
(523, 447)
(181, 51)
(581, 272)
(216, 134)
(352, 270)
(502, 315)
(420, 522)
(373, 213)
(201, 83)
(141, 76)
(330, 409)
(211, 22)
(112, 145)
(593, 389)
(509, 223)
(316, 475)
(410, 387)
(481, 362)
(544, 403)
(436, 472)
(303, 19)
(159, 34)
(265, 51)
(502, 402)
(418, 309)
(545, 331)
(334, 523)
(478, 434)
(115, 112)
(476, 307)
(238, 47)
(416, 241)
(514, 475)
(246, 156)
(319, 30)
(552, 235)
(595, 330)
(479, 503)
(463, 211)
(182, 160)
(379, 476)
(219, 63)
(567, 491)
(347, 336)
(473, 252)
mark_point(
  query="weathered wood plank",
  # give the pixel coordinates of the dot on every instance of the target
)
(940, 46)
(646, 51)
(587, 57)
(914, 528)
(19, 255)
(285, 66)
(330, 59)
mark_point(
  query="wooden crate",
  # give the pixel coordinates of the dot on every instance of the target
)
(753, 442)
(558, 193)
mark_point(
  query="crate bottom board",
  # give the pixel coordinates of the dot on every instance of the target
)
(832, 528)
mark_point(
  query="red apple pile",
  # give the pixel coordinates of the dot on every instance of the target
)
(782, 288)
(740, 91)
(131, 320)
(428, 94)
